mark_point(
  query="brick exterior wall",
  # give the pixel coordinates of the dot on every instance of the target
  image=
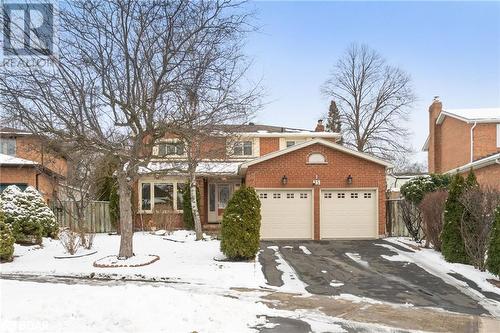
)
(269, 145)
(47, 185)
(455, 144)
(365, 174)
(450, 141)
(30, 148)
(485, 140)
(487, 176)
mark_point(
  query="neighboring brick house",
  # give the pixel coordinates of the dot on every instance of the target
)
(310, 187)
(26, 161)
(461, 140)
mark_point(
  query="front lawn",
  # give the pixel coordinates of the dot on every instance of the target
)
(190, 261)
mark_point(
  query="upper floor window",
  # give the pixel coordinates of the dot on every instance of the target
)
(243, 148)
(171, 148)
(8, 146)
(290, 143)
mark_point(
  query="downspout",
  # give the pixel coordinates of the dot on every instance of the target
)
(472, 142)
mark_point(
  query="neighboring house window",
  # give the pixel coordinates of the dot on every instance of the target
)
(171, 148)
(161, 195)
(290, 143)
(243, 148)
(8, 146)
(498, 135)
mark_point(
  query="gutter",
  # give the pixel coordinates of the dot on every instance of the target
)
(495, 159)
(472, 142)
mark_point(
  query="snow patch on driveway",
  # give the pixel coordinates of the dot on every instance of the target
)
(336, 283)
(291, 282)
(434, 263)
(305, 250)
(357, 258)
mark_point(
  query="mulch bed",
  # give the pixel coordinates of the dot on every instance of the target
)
(496, 283)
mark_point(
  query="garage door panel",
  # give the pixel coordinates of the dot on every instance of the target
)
(348, 214)
(286, 214)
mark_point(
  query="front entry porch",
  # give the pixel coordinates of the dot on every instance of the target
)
(219, 191)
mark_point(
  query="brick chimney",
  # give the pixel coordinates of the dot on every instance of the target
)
(434, 150)
(320, 127)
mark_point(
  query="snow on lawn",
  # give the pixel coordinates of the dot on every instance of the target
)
(190, 261)
(434, 262)
(45, 307)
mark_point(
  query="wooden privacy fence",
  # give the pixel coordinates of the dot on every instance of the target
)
(97, 218)
(395, 225)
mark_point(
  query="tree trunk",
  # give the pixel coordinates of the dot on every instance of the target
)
(126, 224)
(194, 208)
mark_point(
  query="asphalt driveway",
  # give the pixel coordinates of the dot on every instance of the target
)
(356, 267)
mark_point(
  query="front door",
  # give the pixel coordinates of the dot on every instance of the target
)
(218, 197)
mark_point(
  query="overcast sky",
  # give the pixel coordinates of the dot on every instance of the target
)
(451, 49)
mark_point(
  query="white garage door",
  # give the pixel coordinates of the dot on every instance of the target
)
(286, 214)
(348, 214)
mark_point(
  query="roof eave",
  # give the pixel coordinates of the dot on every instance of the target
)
(495, 159)
(244, 166)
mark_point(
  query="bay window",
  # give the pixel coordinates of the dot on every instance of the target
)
(161, 195)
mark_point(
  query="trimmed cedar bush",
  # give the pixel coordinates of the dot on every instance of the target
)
(240, 232)
(187, 212)
(453, 247)
(416, 189)
(6, 240)
(41, 213)
(493, 261)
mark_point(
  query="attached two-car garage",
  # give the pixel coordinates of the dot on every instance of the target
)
(319, 190)
(288, 214)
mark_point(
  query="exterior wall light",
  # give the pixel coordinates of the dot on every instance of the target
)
(284, 180)
(349, 179)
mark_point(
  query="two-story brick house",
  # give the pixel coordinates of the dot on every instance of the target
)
(310, 187)
(26, 161)
(461, 140)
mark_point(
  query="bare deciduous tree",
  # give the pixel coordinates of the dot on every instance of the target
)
(374, 99)
(111, 88)
(213, 104)
(477, 220)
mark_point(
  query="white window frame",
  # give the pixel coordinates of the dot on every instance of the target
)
(498, 135)
(5, 143)
(151, 194)
(171, 142)
(242, 143)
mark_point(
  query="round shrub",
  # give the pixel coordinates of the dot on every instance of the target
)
(416, 189)
(493, 261)
(240, 232)
(21, 215)
(41, 213)
(6, 240)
